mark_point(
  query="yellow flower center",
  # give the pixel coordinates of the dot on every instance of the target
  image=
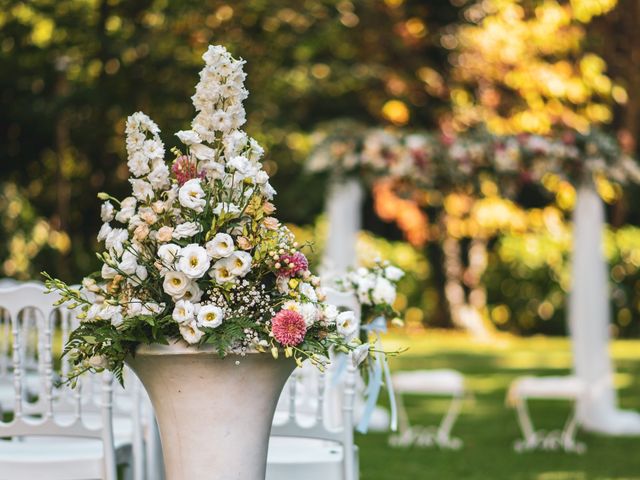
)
(176, 281)
(193, 261)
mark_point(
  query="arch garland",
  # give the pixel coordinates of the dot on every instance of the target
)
(432, 161)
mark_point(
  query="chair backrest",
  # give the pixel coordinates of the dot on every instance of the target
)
(300, 393)
(15, 300)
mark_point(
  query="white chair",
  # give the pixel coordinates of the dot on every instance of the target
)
(305, 445)
(546, 388)
(433, 383)
(90, 454)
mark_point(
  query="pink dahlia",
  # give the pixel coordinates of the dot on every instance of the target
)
(288, 328)
(184, 169)
(291, 265)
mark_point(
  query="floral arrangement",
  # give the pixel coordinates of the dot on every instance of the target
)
(195, 253)
(444, 161)
(375, 288)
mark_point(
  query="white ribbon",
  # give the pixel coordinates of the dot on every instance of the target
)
(379, 368)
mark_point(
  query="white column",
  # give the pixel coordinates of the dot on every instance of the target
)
(589, 322)
(343, 207)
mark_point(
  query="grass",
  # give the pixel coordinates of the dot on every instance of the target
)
(488, 427)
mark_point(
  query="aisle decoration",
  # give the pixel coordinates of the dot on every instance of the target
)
(375, 288)
(195, 253)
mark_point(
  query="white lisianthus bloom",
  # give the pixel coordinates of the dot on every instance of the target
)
(210, 316)
(308, 291)
(112, 313)
(282, 284)
(192, 196)
(186, 230)
(104, 232)
(175, 284)
(169, 254)
(221, 272)
(141, 275)
(129, 263)
(226, 208)
(213, 170)
(190, 332)
(239, 263)
(202, 152)
(393, 273)
(346, 324)
(188, 137)
(142, 189)
(193, 294)
(153, 149)
(194, 261)
(151, 308)
(107, 211)
(292, 305)
(115, 241)
(268, 191)
(108, 272)
(383, 292)
(360, 354)
(220, 246)
(184, 311)
(365, 286)
(262, 177)
(127, 209)
(138, 164)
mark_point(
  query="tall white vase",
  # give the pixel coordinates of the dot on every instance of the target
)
(214, 414)
(589, 322)
(343, 207)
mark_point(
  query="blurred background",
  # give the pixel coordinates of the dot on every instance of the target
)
(71, 71)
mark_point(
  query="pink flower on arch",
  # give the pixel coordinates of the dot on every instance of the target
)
(288, 328)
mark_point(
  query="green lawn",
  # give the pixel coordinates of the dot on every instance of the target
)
(488, 428)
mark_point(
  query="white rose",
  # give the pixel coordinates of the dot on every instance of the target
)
(194, 261)
(220, 246)
(184, 311)
(175, 284)
(186, 230)
(127, 209)
(188, 137)
(192, 196)
(221, 272)
(239, 263)
(393, 273)
(107, 211)
(138, 164)
(142, 189)
(210, 316)
(346, 324)
(384, 292)
(169, 253)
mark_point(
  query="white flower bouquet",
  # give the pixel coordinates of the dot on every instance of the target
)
(195, 254)
(375, 288)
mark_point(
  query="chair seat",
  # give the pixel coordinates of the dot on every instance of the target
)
(430, 382)
(566, 387)
(51, 459)
(297, 458)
